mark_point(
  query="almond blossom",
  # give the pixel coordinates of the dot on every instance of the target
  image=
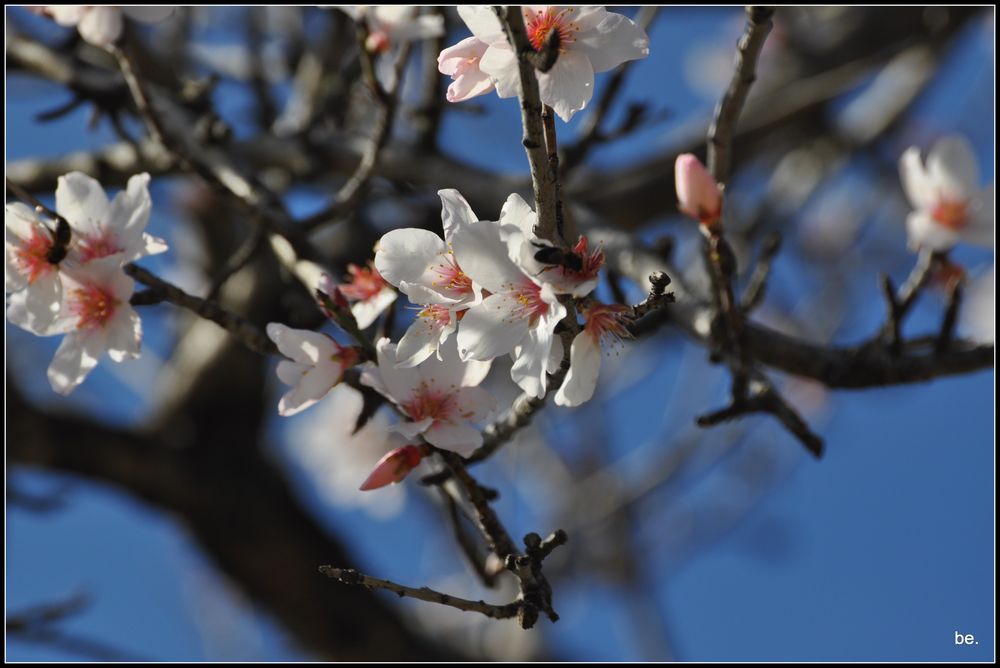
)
(698, 195)
(101, 228)
(316, 364)
(604, 324)
(29, 274)
(520, 311)
(369, 292)
(949, 204)
(439, 397)
(389, 25)
(591, 40)
(98, 24)
(96, 317)
(461, 62)
(424, 268)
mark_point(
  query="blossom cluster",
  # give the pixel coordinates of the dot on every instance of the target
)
(77, 286)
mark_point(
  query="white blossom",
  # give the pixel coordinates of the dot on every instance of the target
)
(591, 40)
(102, 25)
(949, 204)
(439, 397)
(316, 364)
(28, 274)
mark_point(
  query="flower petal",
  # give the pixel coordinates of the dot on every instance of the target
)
(36, 307)
(455, 211)
(501, 65)
(952, 168)
(124, 334)
(400, 383)
(367, 310)
(405, 255)
(490, 329)
(979, 229)
(916, 181)
(615, 40)
(101, 26)
(82, 202)
(474, 403)
(312, 386)
(483, 23)
(460, 438)
(483, 256)
(302, 345)
(568, 86)
(148, 14)
(422, 339)
(584, 367)
(76, 357)
(924, 232)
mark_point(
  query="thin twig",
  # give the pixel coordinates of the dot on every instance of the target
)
(243, 330)
(237, 260)
(720, 134)
(543, 181)
(349, 576)
(757, 285)
(893, 325)
(947, 333)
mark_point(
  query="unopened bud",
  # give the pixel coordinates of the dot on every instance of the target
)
(698, 194)
(395, 466)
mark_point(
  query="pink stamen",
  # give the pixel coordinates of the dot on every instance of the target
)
(93, 306)
(98, 246)
(950, 214)
(541, 24)
(605, 323)
(438, 314)
(32, 256)
(529, 295)
(429, 403)
(451, 277)
(363, 283)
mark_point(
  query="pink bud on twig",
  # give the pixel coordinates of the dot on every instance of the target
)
(697, 192)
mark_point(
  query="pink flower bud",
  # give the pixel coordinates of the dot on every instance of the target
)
(697, 192)
(395, 466)
(377, 42)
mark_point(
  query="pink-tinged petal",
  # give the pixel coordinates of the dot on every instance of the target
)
(20, 222)
(925, 232)
(124, 334)
(952, 168)
(615, 40)
(367, 311)
(128, 214)
(312, 386)
(101, 26)
(148, 14)
(460, 438)
(82, 202)
(583, 18)
(483, 23)
(455, 59)
(421, 294)
(393, 467)
(469, 85)
(698, 194)
(482, 253)
(532, 356)
(421, 340)
(399, 383)
(445, 372)
(302, 345)
(568, 86)
(36, 307)
(584, 367)
(76, 357)
(916, 181)
(491, 329)
(980, 227)
(455, 211)
(406, 254)
(474, 404)
(501, 66)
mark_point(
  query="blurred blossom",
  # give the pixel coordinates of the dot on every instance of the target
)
(101, 25)
(337, 460)
(949, 204)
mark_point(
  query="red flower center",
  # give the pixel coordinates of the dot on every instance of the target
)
(452, 278)
(93, 306)
(98, 246)
(32, 256)
(363, 282)
(951, 214)
(539, 25)
(429, 403)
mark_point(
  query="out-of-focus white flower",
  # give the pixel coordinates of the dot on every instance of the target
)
(28, 274)
(369, 292)
(604, 323)
(949, 205)
(337, 458)
(591, 40)
(978, 319)
(101, 228)
(461, 62)
(96, 317)
(698, 194)
(439, 397)
(101, 25)
(424, 268)
(519, 315)
(390, 25)
(316, 364)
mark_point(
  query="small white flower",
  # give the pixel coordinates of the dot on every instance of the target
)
(461, 63)
(591, 40)
(28, 274)
(370, 293)
(439, 397)
(101, 228)
(389, 25)
(949, 205)
(96, 317)
(518, 312)
(316, 364)
(101, 25)
(424, 268)
(603, 323)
